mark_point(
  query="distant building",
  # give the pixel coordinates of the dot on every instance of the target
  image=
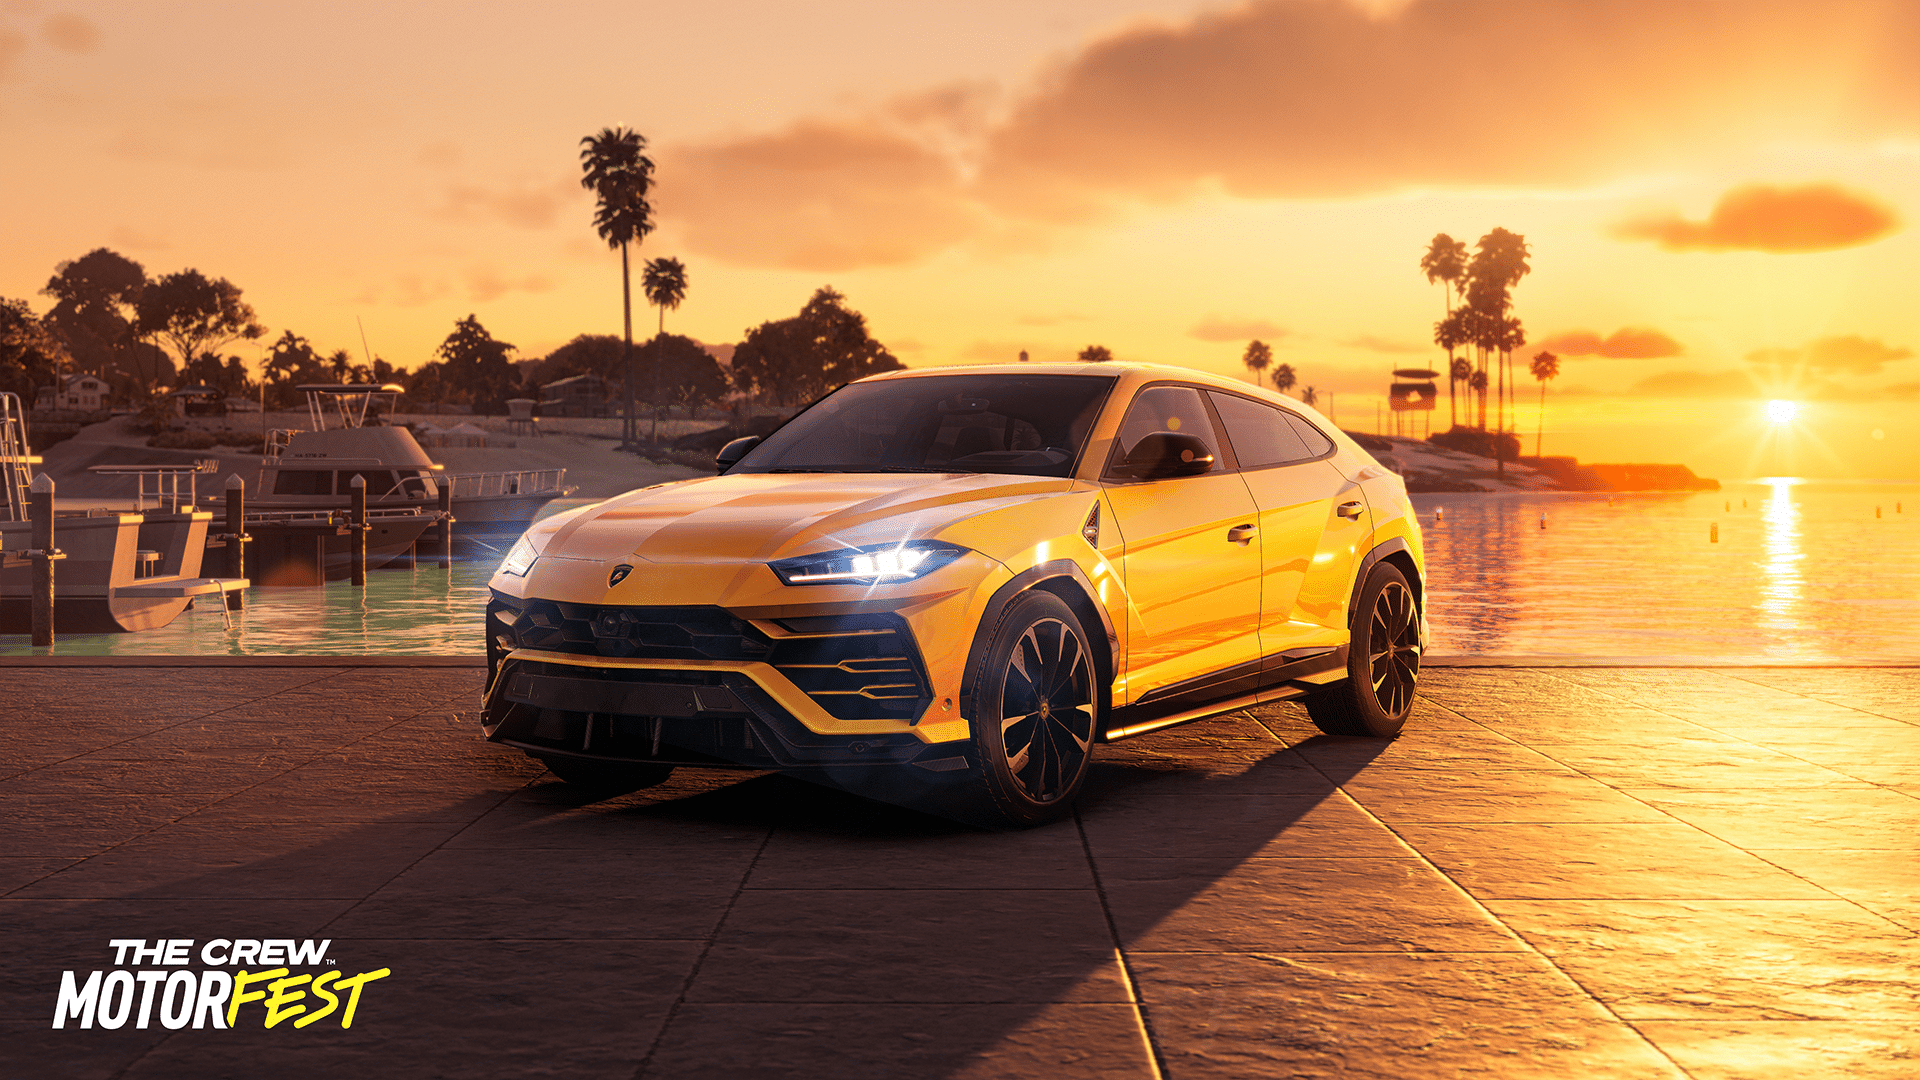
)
(580, 395)
(78, 393)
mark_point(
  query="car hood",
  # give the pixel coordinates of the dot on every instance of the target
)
(762, 516)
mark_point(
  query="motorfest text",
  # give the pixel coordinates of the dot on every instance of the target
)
(152, 981)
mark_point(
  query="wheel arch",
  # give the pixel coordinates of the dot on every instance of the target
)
(1065, 579)
(1396, 551)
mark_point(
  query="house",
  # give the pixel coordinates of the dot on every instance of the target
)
(580, 395)
(78, 393)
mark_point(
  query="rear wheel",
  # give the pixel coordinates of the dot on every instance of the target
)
(606, 777)
(1383, 662)
(1036, 711)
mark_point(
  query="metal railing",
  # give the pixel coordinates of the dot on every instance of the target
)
(16, 457)
(522, 482)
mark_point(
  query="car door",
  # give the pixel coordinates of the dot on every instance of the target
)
(1313, 526)
(1190, 561)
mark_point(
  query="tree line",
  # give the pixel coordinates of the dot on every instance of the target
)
(148, 335)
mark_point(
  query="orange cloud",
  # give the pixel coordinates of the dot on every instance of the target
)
(71, 33)
(1697, 384)
(1304, 99)
(11, 46)
(1787, 220)
(1626, 343)
(1215, 328)
(528, 206)
(1381, 345)
(1848, 353)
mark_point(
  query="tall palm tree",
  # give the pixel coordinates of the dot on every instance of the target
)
(1258, 356)
(665, 283)
(1458, 371)
(1445, 262)
(1309, 398)
(616, 169)
(1545, 367)
(1284, 378)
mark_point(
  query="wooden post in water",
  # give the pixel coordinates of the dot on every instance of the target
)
(44, 555)
(357, 543)
(446, 523)
(236, 538)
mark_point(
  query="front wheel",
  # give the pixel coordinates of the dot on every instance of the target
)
(1383, 662)
(1037, 708)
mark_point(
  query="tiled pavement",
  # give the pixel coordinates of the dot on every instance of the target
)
(1567, 872)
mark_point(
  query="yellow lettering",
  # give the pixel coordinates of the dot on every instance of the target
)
(242, 995)
(353, 987)
(280, 1003)
(320, 990)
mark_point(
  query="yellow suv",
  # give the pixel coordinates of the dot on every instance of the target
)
(942, 587)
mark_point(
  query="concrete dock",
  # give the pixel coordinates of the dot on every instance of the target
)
(1555, 872)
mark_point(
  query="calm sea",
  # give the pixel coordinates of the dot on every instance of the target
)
(1801, 572)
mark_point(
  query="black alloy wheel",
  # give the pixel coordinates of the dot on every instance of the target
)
(1383, 662)
(1037, 716)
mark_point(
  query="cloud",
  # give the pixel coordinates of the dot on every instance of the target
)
(1697, 384)
(11, 46)
(1289, 99)
(1778, 220)
(1381, 345)
(1216, 328)
(484, 284)
(527, 206)
(71, 33)
(1849, 353)
(1626, 343)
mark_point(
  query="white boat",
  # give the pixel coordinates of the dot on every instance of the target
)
(312, 470)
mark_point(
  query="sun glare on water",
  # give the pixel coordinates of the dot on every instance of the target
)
(1782, 412)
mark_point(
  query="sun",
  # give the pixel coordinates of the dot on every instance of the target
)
(1781, 411)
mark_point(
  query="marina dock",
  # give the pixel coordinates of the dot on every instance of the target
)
(1558, 871)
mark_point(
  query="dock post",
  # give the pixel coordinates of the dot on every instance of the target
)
(236, 538)
(44, 555)
(358, 542)
(446, 522)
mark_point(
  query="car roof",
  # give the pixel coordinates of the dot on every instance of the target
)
(1131, 372)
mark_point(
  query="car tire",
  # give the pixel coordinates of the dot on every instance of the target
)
(606, 778)
(1383, 662)
(1035, 717)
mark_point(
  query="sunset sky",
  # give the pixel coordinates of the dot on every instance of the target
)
(1718, 195)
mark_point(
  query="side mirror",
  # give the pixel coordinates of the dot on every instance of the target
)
(1166, 454)
(730, 454)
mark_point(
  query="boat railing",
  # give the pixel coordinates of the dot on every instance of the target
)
(521, 482)
(277, 442)
(16, 456)
(323, 516)
(169, 493)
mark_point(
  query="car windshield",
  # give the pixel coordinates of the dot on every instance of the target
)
(1031, 425)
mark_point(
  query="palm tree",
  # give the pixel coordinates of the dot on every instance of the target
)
(1445, 261)
(665, 283)
(1096, 354)
(615, 168)
(1258, 356)
(1309, 398)
(1284, 378)
(1545, 367)
(1459, 371)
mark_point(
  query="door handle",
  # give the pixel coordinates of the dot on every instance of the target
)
(1350, 510)
(1242, 534)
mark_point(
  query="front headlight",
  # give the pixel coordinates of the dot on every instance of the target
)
(875, 564)
(520, 558)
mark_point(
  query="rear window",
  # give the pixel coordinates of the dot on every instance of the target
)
(1032, 425)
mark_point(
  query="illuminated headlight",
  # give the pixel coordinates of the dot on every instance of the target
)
(519, 560)
(874, 565)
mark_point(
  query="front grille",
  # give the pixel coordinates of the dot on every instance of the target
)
(857, 667)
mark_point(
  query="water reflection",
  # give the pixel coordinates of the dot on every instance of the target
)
(1780, 594)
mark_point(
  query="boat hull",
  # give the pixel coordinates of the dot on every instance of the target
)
(122, 572)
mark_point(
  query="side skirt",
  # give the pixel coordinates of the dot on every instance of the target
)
(1281, 682)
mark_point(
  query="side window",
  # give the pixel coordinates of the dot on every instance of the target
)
(1316, 440)
(1261, 434)
(303, 482)
(1166, 408)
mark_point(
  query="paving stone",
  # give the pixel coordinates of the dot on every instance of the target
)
(897, 945)
(1887, 885)
(1702, 766)
(80, 824)
(884, 1042)
(1384, 1015)
(1728, 959)
(1148, 825)
(177, 773)
(941, 856)
(1399, 796)
(1836, 816)
(1293, 905)
(1788, 1049)
(1605, 860)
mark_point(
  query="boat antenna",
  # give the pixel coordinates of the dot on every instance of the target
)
(368, 353)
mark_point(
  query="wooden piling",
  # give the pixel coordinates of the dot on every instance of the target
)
(357, 542)
(446, 522)
(44, 555)
(236, 538)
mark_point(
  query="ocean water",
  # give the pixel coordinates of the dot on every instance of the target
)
(1801, 572)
